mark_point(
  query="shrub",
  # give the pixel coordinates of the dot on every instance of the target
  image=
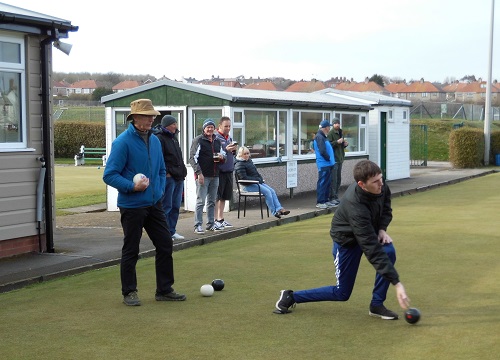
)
(494, 145)
(466, 147)
(70, 135)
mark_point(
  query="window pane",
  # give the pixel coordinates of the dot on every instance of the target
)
(199, 116)
(304, 132)
(238, 136)
(238, 117)
(362, 139)
(121, 122)
(10, 105)
(10, 52)
(350, 131)
(282, 132)
(260, 133)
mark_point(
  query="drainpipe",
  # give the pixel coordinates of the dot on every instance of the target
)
(46, 139)
(39, 202)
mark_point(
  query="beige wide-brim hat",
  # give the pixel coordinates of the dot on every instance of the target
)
(142, 107)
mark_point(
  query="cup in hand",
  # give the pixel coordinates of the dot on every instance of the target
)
(216, 157)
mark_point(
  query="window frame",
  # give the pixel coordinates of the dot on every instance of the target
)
(361, 134)
(20, 70)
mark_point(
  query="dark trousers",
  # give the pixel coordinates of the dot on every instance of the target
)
(152, 219)
(336, 181)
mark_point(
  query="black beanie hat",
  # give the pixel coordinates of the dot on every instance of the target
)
(168, 120)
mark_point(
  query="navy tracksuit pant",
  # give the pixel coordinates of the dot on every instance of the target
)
(346, 262)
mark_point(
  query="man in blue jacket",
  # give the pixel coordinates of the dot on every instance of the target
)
(325, 160)
(136, 151)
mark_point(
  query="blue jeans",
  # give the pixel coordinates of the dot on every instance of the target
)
(206, 191)
(323, 185)
(272, 200)
(346, 260)
(172, 202)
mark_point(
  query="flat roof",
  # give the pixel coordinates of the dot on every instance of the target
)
(251, 96)
(367, 97)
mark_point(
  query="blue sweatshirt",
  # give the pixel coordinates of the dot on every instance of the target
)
(324, 151)
(228, 164)
(130, 155)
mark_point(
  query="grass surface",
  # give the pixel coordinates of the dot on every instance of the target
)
(83, 113)
(447, 244)
(78, 186)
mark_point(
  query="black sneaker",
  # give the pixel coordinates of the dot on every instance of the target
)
(284, 302)
(171, 296)
(131, 299)
(383, 313)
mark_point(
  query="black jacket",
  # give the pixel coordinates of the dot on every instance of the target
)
(201, 155)
(246, 170)
(358, 219)
(172, 153)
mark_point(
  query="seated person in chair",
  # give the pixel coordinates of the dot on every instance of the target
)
(245, 170)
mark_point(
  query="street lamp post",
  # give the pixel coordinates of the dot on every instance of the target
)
(487, 113)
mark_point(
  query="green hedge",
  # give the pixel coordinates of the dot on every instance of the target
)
(494, 145)
(70, 135)
(467, 147)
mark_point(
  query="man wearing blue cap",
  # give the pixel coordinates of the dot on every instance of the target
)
(205, 155)
(325, 161)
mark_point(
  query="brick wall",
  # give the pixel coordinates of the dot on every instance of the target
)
(20, 246)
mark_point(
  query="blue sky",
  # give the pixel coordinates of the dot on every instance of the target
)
(434, 40)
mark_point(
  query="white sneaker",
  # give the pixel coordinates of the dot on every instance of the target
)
(226, 224)
(177, 237)
(216, 226)
(198, 229)
(332, 203)
(322, 206)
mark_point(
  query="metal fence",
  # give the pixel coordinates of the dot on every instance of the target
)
(67, 103)
(437, 110)
(418, 145)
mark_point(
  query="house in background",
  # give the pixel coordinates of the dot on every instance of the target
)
(418, 91)
(306, 86)
(27, 201)
(229, 82)
(125, 85)
(475, 92)
(85, 87)
(397, 89)
(262, 85)
(60, 88)
(366, 86)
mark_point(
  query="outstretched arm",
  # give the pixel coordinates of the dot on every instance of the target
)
(403, 299)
